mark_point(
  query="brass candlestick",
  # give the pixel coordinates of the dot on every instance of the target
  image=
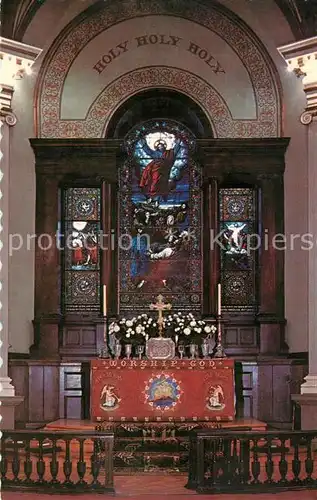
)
(220, 352)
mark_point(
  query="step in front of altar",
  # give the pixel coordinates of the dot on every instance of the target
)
(152, 447)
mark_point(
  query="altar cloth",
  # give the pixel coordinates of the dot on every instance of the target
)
(155, 390)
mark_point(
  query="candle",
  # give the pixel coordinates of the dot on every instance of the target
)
(219, 299)
(105, 300)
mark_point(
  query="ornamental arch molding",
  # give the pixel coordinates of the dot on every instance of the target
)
(51, 112)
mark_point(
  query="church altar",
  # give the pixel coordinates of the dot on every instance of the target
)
(176, 390)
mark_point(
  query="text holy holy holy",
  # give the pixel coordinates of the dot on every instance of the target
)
(158, 39)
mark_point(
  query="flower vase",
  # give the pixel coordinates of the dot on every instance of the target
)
(205, 349)
(128, 350)
(118, 349)
(193, 350)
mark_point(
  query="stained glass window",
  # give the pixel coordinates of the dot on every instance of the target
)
(237, 207)
(81, 262)
(159, 219)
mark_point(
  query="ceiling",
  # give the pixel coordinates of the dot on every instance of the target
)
(17, 14)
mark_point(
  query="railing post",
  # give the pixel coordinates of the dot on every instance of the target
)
(28, 466)
(296, 464)
(81, 464)
(283, 465)
(200, 462)
(192, 457)
(109, 462)
(309, 462)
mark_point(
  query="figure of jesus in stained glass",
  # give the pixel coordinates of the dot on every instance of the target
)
(163, 157)
(160, 206)
(157, 177)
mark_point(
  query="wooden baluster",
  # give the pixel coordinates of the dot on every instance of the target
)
(16, 461)
(246, 460)
(95, 466)
(28, 465)
(269, 466)
(3, 461)
(240, 461)
(54, 465)
(256, 466)
(202, 461)
(40, 466)
(309, 463)
(283, 465)
(67, 466)
(212, 447)
(235, 462)
(227, 461)
(192, 459)
(296, 463)
(109, 462)
(81, 464)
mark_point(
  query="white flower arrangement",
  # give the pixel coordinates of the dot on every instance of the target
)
(177, 325)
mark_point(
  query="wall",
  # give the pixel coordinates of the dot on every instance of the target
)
(268, 23)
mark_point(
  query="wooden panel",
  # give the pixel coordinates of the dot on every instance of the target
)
(82, 338)
(36, 393)
(240, 339)
(247, 336)
(231, 336)
(19, 374)
(88, 336)
(281, 401)
(72, 381)
(74, 390)
(249, 389)
(73, 407)
(265, 407)
(51, 393)
(72, 336)
(248, 406)
(247, 380)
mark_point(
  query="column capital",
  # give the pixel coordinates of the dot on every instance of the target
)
(16, 60)
(301, 58)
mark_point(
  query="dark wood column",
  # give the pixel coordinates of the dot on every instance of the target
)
(271, 277)
(109, 250)
(61, 162)
(47, 263)
(210, 249)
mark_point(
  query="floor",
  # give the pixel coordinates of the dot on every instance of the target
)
(162, 487)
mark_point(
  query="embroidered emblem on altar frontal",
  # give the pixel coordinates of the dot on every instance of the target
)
(109, 399)
(215, 398)
(162, 392)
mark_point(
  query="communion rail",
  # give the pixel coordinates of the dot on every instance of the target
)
(57, 462)
(230, 461)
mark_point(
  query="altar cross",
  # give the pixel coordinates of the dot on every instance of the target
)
(160, 306)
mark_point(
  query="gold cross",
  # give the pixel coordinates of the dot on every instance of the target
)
(160, 306)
